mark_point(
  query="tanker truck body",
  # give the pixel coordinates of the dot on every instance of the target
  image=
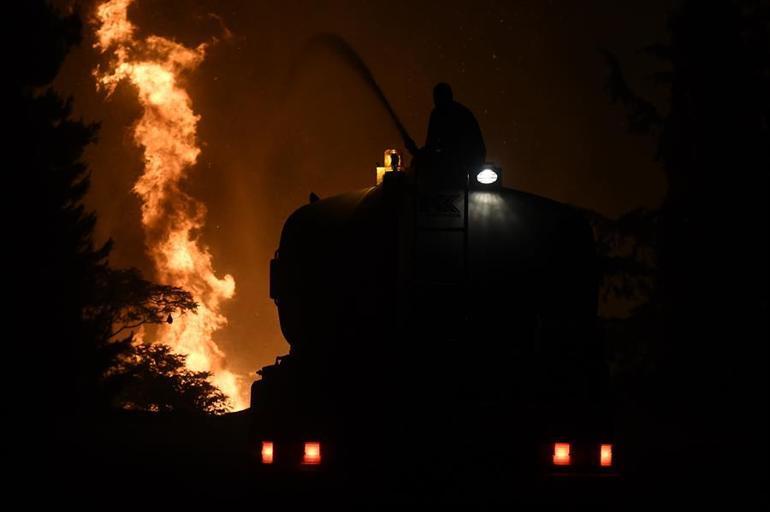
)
(443, 336)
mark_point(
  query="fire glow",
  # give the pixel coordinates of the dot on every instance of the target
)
(171, 218)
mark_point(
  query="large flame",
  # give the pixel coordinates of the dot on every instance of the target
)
(172, 219)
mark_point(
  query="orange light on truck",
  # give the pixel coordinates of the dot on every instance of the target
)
(312, 453)
(605, 455)
(267, 452)
(561, 454)
(392, 162)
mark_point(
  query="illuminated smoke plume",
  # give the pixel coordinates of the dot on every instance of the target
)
(172, 219)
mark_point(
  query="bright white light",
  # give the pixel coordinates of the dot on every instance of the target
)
(487, 177)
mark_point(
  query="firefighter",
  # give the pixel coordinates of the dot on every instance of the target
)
(454, 145)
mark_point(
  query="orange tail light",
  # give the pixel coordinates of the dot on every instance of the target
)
(312, 453)
(561, 454)
(605, 455)
(267, 452)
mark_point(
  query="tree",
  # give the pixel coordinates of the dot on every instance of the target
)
(711, 233)
(55, 257)
(77, 312)
(123, 302)
(157, 380)
(710, 236)
(629, 288)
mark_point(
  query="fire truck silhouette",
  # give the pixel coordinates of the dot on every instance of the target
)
(443, 336)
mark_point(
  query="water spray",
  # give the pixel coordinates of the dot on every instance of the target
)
(341, 48)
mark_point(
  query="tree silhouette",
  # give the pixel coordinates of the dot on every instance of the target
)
(157, 380)
(79, 313)
(706, 313)
(630, 288)
(711, 232)
(57, 257)
(125, 301)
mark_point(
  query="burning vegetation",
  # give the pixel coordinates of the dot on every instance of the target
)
(172, 219)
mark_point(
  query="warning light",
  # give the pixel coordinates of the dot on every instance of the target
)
(391, 161)
(312, 453)
(605, 455)
(267, 452)
(561, 454)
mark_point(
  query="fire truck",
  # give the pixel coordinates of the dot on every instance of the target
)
(444, 342)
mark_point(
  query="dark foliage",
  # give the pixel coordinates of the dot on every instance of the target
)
(125, 301)
(700, 332)
(709, 239)
(57, 257)
(626, 248)
(642, 116)
(157, 380)
(77, 312)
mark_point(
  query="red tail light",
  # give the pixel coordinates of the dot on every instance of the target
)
(267, 452)
(561, 454)
(312, 453)
(605, 455)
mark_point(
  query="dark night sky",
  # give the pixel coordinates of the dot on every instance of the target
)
(528, 69)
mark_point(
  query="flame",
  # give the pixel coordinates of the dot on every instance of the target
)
(171, 218)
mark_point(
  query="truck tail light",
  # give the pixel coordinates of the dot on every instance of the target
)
(267, 452)
(605, 455)
(312, 453)
(561, 455)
